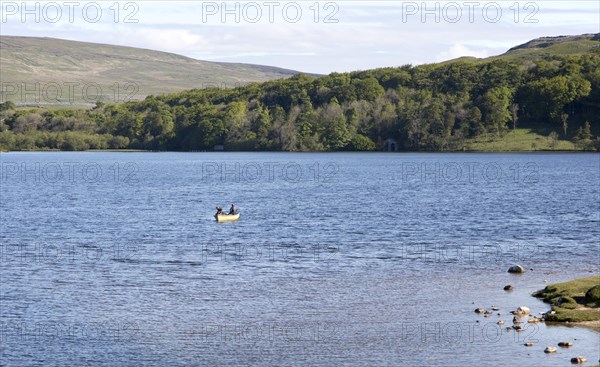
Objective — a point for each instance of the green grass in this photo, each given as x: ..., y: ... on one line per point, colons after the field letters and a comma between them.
x: 574, y: 306
x: 574, y: 288
x: 517, y: 140
x: 579, y: 315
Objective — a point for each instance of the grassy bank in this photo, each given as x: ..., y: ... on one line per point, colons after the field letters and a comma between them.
x: 519, y: 140
x: 574, y: 301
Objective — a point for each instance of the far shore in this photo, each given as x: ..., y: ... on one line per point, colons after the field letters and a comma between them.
x: 281, y: 151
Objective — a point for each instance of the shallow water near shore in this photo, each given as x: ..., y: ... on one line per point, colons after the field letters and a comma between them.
x: 343, y: 259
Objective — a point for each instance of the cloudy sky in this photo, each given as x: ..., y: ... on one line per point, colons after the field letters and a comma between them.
x: 310, y: 36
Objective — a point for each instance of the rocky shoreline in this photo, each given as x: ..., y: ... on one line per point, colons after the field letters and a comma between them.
x: 576, y: 303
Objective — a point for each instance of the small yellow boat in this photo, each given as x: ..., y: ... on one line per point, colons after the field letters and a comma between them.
x: 227, y: 217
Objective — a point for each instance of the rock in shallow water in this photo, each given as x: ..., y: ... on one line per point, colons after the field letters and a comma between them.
x: 516, y: 269
x: 550, y: 349
x: 508, y: 287
x: 578, y: 360
x: 565, y: 344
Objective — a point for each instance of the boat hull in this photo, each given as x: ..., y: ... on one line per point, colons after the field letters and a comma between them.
x: 226, y: 217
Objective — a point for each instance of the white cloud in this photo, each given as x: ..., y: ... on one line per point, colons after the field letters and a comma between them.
x: 459, y: 50
x: 172, y: 40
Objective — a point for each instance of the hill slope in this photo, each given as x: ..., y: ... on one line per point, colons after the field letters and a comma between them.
x: 137, y: 72
x: 552, y: 46
x: 544, y: 47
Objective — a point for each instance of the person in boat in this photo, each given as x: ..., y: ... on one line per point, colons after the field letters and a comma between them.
x: 219, y: 211
x: 233, y: 209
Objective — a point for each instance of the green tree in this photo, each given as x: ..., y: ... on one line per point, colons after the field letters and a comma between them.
x: 514, y: 113
x: 336, y: 135
x: 586, y: 133
x: 553, y: 140
x: 308, y: 128
x: 368, y: 89
x: 495, y: 108
x: 362, y: 143
x: 263, y: 125
x: 118, y: 142
x: 7, y: 141
x: 6, y: 106
x: 583, y: 138
x: 158, y: 124
x: 565, y: 122
x: 547, y: 97
x: 474, y: 122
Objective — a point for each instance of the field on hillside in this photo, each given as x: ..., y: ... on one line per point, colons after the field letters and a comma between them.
x: 47, y: 71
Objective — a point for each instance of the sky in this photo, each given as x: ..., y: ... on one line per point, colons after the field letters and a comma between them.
x: 310, y: 36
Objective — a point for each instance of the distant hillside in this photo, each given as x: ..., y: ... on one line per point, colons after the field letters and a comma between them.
x: 555, y: 46
x: 137, y: 72
x: 544, y: 47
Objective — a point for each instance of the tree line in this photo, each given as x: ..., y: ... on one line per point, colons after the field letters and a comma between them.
x: 433, y: 107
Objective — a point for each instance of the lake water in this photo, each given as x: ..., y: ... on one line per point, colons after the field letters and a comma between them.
x: 346, y: 259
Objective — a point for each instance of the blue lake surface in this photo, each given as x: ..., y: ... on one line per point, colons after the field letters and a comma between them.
x: 350, y: 259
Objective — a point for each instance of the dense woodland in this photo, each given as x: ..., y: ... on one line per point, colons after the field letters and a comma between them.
x: 436, y: 107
